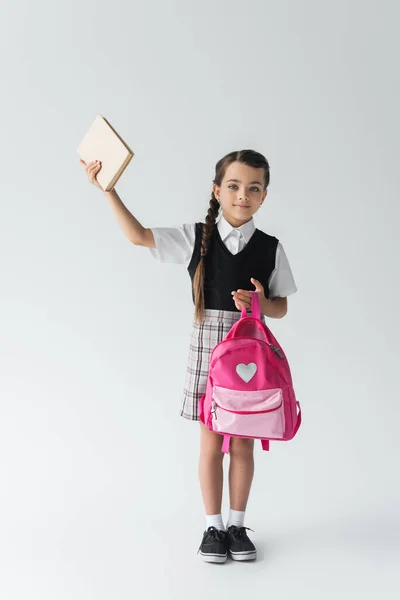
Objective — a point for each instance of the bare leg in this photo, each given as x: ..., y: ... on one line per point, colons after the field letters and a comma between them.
x: 241, y: 471
x: 211, y: 470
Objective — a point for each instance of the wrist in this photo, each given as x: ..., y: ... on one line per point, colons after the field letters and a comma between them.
x: 271, y: 309
x: 264, y: 305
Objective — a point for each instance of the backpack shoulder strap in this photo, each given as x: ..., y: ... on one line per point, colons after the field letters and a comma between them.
x: 298, y: 423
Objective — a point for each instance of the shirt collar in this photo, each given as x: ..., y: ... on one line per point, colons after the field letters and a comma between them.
x: 226, y: 228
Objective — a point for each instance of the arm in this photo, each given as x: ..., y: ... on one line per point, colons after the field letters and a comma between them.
x: 281, y: 284
x: 134, y: 231
x: 275, y: 308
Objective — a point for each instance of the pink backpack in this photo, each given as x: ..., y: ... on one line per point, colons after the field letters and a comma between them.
x: 249, y: 389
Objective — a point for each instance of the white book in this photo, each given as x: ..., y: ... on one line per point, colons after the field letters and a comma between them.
x: 103, y: 143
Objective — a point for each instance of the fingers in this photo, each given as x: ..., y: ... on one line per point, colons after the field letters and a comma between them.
x: 240, y: 305
x: 93, y: 166
x: 243, y: 296
x: 245, y: 293
x: 92, y: 170
x: 89, y: 167
x: 241, y: 302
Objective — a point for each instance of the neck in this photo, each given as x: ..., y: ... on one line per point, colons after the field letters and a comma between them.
x: 235, y: 222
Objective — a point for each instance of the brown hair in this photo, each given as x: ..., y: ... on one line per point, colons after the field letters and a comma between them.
x: 250, y: 158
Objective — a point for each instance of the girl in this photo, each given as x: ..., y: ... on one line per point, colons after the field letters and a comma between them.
x: 223, y: 256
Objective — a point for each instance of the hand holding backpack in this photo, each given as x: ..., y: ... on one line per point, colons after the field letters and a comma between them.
x: 249, y: 391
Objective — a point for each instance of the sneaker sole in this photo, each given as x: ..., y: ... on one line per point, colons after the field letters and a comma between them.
x: 214, y: 558
x: 245, y: 556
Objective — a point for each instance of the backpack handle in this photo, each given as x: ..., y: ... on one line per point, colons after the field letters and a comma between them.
x: 255, y: 306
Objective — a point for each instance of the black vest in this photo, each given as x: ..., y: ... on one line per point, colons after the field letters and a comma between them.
x: 227, y: 272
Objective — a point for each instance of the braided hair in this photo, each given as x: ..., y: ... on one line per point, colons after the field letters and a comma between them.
x: 247, y: 157
x: 199, y: 276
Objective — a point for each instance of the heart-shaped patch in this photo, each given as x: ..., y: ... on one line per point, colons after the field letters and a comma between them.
x: 246, y: 372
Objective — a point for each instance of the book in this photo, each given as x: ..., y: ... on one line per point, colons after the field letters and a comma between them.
x: 103, y: 143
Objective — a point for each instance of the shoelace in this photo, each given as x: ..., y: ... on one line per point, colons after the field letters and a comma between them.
x: 212, y: 534
x: 238, y: 533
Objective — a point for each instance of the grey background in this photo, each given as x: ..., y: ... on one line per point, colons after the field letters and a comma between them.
x: 99, y: 486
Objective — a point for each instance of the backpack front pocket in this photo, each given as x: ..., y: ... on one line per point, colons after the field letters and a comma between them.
x: 253, y: 413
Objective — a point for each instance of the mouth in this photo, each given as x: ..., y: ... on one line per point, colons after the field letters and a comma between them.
x: 241, y: 205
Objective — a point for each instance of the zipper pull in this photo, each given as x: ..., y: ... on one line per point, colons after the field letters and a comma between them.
x: 276, y: 350
x: 214, y: 409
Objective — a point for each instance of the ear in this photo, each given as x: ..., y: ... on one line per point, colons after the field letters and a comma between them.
x: 216, y: 189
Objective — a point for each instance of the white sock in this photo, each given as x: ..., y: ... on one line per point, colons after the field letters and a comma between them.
x: 236, y: 517
x: 215, y: 521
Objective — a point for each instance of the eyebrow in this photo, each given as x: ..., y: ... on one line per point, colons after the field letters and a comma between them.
x: 238, y: 181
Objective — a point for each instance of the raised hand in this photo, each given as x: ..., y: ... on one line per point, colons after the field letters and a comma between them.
x: 91, y: 171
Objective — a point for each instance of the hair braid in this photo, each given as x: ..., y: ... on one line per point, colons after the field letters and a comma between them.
x: 199, y: 276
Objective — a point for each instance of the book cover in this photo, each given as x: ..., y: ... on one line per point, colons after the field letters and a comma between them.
x: 103, y: 143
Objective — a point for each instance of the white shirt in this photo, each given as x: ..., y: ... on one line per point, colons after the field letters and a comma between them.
x: 176, y: 245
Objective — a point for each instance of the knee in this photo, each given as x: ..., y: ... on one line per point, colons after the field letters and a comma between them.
x: 212, y: 455
x: 242, y: 448
x: 211, y: 446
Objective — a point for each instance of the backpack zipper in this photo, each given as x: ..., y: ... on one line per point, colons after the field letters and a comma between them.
x: 242, y: 412
x: 277, y: 350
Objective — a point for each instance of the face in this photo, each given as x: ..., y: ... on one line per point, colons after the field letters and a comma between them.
x: 242, y: 198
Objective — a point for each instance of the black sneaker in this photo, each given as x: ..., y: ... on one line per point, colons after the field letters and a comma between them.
x: 239, y: 545
x: 213, y: 548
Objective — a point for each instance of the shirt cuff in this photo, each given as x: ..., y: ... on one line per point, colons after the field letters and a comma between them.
x: 285, y: 293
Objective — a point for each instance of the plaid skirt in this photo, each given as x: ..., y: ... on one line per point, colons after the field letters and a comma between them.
x: 203, y: 339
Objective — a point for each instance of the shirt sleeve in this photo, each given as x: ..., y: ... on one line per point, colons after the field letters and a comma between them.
x: 174, y: 244
x: 281, y: 282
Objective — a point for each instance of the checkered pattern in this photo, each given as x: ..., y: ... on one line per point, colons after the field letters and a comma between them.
x: 203, y: 339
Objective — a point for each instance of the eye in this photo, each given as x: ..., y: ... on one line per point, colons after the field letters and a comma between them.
x: 257, y: 189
